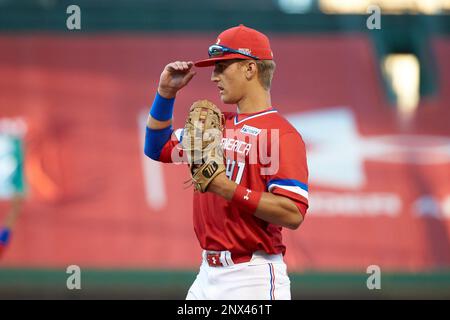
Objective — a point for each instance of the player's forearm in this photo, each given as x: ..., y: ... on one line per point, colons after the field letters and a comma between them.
x: 271, y: 208
x: 152, y: 123
x: 222, y: 186
x: 160, y: 116
x: 278, y: 210
x: 159, y: 126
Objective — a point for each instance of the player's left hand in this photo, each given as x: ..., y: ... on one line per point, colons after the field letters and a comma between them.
x: 201, y: 141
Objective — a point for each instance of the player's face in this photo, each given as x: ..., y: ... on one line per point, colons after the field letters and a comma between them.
x: 230, y: 79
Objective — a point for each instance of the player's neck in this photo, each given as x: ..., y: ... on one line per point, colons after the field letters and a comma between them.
x: 256, y: 102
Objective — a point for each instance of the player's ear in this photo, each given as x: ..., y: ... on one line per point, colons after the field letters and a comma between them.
x: 250, y: 69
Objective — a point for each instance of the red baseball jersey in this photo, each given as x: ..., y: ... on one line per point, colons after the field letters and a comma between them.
x: 265, y: 153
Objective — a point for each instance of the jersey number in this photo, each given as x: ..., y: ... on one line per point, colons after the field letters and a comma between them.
x: 231, y: 166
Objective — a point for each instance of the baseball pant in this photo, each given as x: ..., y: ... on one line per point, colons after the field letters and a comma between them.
x: 264, y: 277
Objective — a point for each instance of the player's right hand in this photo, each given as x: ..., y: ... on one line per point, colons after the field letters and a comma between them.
x: 175, y: 76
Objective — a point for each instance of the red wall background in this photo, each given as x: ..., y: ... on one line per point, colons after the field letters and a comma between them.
x: 82, y: 96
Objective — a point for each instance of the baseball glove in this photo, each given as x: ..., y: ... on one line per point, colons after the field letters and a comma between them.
x: 201, y: 142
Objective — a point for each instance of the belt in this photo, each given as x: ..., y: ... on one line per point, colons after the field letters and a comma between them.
x: 225, y: 258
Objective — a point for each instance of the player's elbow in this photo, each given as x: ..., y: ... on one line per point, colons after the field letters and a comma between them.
x: 295, y: 220
x: 294, y: 223
x: 155, y: 140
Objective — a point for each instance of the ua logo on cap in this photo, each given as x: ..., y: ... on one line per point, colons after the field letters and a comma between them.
x: 218, y: 41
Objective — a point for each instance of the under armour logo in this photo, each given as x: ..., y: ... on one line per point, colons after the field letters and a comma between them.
x: 214, y: 260
x: 246, y: 196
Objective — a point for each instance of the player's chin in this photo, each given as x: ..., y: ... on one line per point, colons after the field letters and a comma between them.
x: 227, y: 99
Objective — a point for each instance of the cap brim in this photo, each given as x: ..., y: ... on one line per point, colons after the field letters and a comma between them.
x: 211, y: 61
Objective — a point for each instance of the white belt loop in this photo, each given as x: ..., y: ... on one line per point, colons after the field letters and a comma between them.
x: 227, y: 261
x: 222, y: 258
x: 204, y: 252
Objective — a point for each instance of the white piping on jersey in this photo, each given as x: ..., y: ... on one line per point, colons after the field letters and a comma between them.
x: 251, y: 117
x: 293, y: 189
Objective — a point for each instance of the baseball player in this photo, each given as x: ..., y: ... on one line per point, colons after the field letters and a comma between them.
x: 240, y: 213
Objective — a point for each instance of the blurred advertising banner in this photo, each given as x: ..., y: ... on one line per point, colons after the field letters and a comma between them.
x: 11, y: 157
x: 379, y: 186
